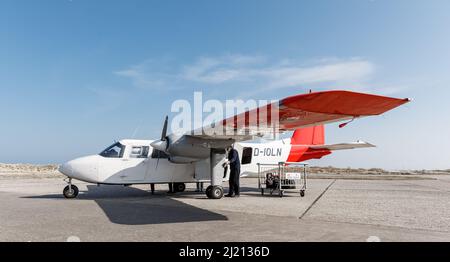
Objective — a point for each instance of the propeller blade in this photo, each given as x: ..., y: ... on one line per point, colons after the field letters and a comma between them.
x: 164, y: 131
x: 162, y: 144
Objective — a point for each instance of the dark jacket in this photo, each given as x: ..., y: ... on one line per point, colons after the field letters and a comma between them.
x: 233, y: 157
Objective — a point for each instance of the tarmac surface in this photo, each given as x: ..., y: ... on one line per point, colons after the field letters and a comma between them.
x: 332, y: 210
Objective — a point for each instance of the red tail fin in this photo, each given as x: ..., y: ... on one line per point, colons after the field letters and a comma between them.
x: 314, y: 135
x: 301, y: 141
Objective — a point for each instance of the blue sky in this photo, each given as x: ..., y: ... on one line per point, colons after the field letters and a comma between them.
x: 76, y: 75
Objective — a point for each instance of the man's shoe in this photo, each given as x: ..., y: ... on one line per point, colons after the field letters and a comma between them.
x: 229, y: 195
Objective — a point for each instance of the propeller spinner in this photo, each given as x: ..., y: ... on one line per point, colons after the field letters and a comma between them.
x: 161, y: 144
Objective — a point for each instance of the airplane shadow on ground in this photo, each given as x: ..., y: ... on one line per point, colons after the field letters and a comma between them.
x: 133, y: 206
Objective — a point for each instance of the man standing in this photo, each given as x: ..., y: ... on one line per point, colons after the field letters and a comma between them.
x: 235, y: 172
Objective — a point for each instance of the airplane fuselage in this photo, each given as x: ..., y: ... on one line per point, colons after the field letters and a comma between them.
x: 132, y: 167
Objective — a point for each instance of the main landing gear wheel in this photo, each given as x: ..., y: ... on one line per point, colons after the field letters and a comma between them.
x: 179, y: 187
x: 214, y: 192
x: 70, y: 191
x: 208, y: 191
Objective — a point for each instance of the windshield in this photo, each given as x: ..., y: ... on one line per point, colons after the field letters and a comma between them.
x: 114, y: 151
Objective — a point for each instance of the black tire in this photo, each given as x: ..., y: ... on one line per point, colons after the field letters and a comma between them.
x: 302, y: 193
x: 216, y: 192
x: 179, y: 187
x: 208, y: 191
x: 70, y: 193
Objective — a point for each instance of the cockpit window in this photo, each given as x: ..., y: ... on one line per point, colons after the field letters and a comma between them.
x: 114, y: 151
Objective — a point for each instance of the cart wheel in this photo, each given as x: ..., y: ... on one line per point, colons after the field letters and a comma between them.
x: 262, y: 191
x: 302, y: 193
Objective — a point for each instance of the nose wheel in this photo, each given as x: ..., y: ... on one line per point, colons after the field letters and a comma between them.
x: 70, y: 191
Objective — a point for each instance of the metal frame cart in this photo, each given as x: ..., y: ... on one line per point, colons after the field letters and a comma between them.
x: 282, y: 176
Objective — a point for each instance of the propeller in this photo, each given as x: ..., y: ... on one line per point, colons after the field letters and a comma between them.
x: 161, y: 145
x: 164, y: 131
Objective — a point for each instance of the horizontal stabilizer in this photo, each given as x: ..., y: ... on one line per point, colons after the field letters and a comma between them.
x: 342, y: 146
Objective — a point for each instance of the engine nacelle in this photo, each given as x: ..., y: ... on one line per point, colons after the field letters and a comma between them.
x: 182, y: 160
x: 187, y: 149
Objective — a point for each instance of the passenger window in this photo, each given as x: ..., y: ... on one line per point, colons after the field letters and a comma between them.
x: 139, y: 152
x: 145, y: 150
x: 136, y: 150
x: 247, y: 155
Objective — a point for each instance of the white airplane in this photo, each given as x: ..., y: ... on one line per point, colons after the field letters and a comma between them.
x: 198, y: 157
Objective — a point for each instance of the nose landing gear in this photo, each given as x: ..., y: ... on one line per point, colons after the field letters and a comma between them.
x: 70, y: 191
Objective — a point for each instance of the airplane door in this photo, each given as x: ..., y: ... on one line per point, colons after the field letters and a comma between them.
x: 135, y: 164
x: 134, y: 170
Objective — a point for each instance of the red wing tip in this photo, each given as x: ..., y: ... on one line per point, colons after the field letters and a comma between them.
x: 341, y: 91
x: 343, y: 102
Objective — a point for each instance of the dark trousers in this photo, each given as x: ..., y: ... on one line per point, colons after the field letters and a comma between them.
x: 234, y: 181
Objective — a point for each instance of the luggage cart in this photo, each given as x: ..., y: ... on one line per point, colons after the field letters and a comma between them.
x: 282, y: 176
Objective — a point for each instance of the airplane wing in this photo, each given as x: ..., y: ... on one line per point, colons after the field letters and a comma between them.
x: 300, y: 111
x: 342, y: 146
